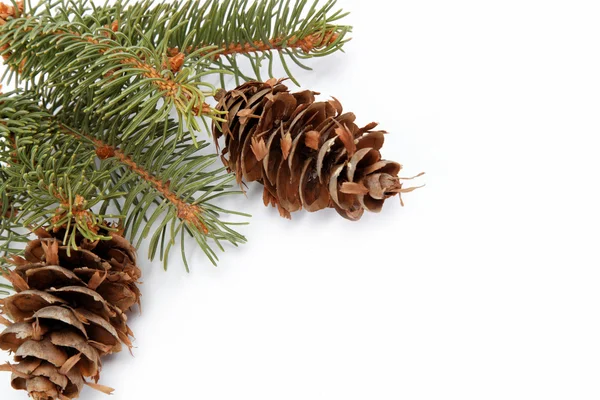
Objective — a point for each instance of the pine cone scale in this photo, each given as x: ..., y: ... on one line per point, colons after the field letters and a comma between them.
x: 287, y: 187
x: 42, y: 277
x: 17, y: 334
x: 313, y: 194
x: 53, y: 314
x: 23, y: 305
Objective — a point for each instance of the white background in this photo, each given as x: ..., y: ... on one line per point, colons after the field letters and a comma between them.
x: 485, y: 286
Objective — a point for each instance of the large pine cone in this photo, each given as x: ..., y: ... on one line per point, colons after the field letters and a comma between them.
x: 307, y: 154
x: 69, y: 310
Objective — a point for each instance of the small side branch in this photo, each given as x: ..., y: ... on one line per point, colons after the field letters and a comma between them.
x: 187, y: 212
x: 307, y: 44
x: 180, y: 94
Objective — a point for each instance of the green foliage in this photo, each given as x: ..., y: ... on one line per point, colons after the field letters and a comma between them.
x: 197, y: 24
x: 60, y: 57
x: 4, y: 289
x: 161, y: 179
x: 57, y: 180
x: 46, y: 172
x: 10, y: 233
x: 63, y: 48
x: 10, y: 237
x: 90, y: 140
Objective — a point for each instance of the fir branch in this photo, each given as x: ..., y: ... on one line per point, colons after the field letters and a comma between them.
x: 60, y: 188
x: 224, y: 29
x: 49, y: 180
x: 253, y: 29
x: 110, y: 77
x: 161, y: 179
x: 189, y: 213
x: 9, y: 230
x: 306, y: 44
x: 80, y: 57
x: 72, y: 167
x: 130, y: 56
x: 10, y: 235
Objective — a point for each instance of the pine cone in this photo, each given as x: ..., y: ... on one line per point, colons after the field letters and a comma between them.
x: 7, y: 10
x: 68, y: 312
x: 307, y: 154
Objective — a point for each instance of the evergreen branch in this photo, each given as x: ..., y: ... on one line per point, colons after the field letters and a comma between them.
x: 9, y: 230
x: 129, y: 55
x: 48, y: 180
x: 190, y: 213
x: 160, y: 180
x: 81, y: 57
x: 306, y: 44
x: 108, y: 78
x: 60, y: 189
x: 253, y: 29
x: 224, y: 29
x: 60, y: 183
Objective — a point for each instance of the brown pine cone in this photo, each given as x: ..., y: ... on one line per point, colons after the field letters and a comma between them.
x: 7, y: 10
x: 307, y: 154
x: 69, y: 310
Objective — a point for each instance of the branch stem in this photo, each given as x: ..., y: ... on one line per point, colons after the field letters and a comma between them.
x: 185, y: 211
x: 306, y: 44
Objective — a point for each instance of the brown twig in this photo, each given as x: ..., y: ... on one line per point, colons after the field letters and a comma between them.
x: 307, y: 44
x: 185, y: 211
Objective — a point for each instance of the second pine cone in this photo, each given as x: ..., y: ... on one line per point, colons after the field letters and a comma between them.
x: 308, y: 154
